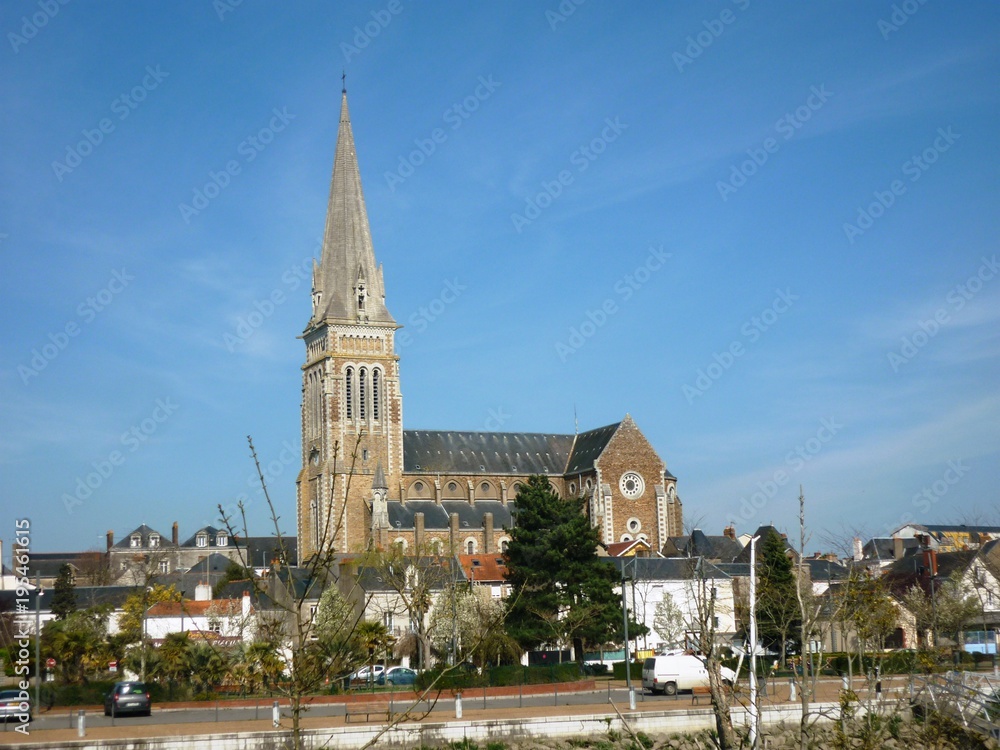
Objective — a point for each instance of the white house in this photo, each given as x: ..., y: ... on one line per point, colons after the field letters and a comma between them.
x: 218, y: 620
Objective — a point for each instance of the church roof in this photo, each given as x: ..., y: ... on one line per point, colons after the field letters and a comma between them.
x: 587, y: 447
x: 348, y: 259
x: 450, y: 452
x: 436, y: 517
x: 447, y: 452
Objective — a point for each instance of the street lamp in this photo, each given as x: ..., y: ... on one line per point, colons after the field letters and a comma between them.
x: 38, y: 639
x: 754, y: 710
x: 628, y: 664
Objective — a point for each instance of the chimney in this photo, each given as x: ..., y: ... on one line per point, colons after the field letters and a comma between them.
x: 858, y: 549
x: 111, y: 540
x: 453, y: 533
x: 930, y: 562
x: 418, y: 532
x: 488, y: 534
x: 175, y: 534
x: 897, y: 548
x: 203, y: 593
x: 730, y: 532
x: 245, y: 609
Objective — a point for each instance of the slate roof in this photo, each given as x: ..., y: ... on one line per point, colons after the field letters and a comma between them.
x: 92, y: 596
x: 588, y: 447
x: 665, y: 568
x: 904, y: 573
x: 212, y: 532
x: 437, y: 569
x: 144, y: 532
x: 47, y: 564
x: 699, y: 544
x: 436, y: 517
x: 882, y: 547
x: 447, y: 452
x: 825, y: 570
x: 762, y: 531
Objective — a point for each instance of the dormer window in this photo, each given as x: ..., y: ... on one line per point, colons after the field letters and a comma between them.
x: 221, y: 540
x: 202, y: 540
x: 135, y: 541
x: 154, y: 540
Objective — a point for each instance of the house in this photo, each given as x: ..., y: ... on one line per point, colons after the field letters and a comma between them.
x: 221, y: 621
x: 724, y: 548
x: 691, y: 584
x: 487, y: 571
x: 948, y: 538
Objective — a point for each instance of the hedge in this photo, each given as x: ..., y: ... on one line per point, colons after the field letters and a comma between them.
x: 513, y: 674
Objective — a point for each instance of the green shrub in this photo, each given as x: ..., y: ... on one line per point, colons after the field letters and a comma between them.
x: 618, y: 671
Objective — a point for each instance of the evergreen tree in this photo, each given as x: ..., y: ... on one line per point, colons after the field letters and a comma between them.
x: 562, y: 591
x: 64, y: 593
x: 778, y: 614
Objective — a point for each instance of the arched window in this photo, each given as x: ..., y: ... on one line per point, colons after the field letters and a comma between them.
x: 362, y: 394
x: 470, y: 547
x: 376, y: 385
x: 349, y: 391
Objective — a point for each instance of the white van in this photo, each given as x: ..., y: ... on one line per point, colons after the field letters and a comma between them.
x: 668, y: 674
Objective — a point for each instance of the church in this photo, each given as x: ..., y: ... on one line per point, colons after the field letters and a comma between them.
x: 366, y: 481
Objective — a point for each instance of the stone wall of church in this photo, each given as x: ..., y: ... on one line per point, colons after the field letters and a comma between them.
x: 629, y: 451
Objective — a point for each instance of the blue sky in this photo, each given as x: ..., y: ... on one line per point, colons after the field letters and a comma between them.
x: 767, y: 231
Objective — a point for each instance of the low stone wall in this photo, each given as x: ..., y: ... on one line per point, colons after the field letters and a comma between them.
x: 409, y: 735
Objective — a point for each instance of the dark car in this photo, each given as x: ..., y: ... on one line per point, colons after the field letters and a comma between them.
x: 127, y: 698
x: 15, y: 704
x: 397, y: 676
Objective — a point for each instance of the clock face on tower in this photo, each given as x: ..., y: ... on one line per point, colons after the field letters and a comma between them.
x: 631, y: 485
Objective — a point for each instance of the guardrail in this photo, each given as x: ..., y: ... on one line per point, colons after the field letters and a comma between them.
x: 971, y: 698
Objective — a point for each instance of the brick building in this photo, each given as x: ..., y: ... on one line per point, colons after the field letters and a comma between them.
x: 365, y: 480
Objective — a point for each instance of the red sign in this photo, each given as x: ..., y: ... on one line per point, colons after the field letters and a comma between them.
x: 50, y: 663
x: 112, y: 666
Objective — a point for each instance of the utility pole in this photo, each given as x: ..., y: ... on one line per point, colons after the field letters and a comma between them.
x: 754, y: 710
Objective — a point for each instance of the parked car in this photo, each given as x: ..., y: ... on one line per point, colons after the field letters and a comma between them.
x: 668, y: 674
x: 397, y: 676
x: 15, y: 704
x: 367, y: 674
x: 128, y: 698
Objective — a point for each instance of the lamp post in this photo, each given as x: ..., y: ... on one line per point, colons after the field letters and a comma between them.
x: 38, y: 639
x: 628, y: 664
x: 753, y: 710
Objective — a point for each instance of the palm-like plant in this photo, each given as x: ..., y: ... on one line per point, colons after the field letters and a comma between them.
x: 373, y: 640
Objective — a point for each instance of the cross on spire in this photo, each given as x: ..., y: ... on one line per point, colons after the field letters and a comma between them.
x: 343, y: 82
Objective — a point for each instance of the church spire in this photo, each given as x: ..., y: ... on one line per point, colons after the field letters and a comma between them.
x: 348, y: 286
